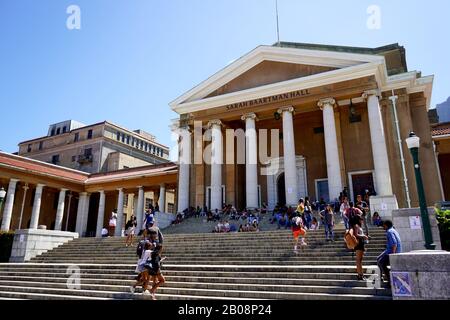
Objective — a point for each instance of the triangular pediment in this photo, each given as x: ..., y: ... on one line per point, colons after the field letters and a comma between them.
x: 269, y: 72
x: 268, y: 65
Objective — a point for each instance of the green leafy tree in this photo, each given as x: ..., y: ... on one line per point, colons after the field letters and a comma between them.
x: 443, y: 218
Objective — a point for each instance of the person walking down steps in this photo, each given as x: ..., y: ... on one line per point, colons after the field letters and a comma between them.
x: 298, y: 231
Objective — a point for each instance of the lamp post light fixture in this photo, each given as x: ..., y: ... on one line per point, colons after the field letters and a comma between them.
x: 413, y: 143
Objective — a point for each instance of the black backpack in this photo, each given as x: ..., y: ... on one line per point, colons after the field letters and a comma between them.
x: 140, y: 248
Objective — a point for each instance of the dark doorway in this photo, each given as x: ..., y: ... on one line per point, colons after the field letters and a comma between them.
x: 281, y: 189
x: 361, y: 183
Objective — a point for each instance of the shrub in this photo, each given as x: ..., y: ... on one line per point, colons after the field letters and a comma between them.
x: 6, y: 242
x: 443, y: 218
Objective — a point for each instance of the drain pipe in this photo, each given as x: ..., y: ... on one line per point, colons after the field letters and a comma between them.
x: 394, y: 98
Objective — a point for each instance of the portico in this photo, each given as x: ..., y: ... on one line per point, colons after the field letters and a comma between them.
x: 320, y: 112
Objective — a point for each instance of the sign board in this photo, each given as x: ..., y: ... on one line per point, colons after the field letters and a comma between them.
x: 415, y: 223
x: 384, y: 206
x: 21, y: 238
x: 401, y: 284
x: 289, y: 190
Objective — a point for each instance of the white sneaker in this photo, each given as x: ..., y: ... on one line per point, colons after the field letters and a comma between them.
x: 132, y: 289
x: 146, y: 293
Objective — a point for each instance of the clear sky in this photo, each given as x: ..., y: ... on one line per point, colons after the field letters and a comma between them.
x: 132, y: 57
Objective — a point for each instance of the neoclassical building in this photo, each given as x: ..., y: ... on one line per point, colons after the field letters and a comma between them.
x: 342, y: 115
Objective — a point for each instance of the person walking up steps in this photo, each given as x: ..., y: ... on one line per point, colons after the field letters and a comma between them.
x: 298, y: 231
x: 327, y: 216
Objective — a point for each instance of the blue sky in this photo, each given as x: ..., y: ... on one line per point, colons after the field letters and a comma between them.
x: 132, y: 57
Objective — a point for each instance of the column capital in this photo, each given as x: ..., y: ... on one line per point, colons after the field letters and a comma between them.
x: 102, y: 192
x: 163, y: 185
x: 13, y: 180
x: 120, y: 189
x: 326, y: 102
x: 83, y: 194
x: 286, y: 109
x: 63, y: 190
x: 249, y: 116
x: 40, y: 185
x: 214, y: 122
x: 368, y: 93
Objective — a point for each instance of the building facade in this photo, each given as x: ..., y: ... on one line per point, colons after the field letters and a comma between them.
x: 315, y: 119
x: 101, y: 147
x: 42, y: 195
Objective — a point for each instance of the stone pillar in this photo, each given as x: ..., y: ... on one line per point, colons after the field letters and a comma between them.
x: 379, y: 149
x: 101, y: 214
x: 60, y: 209
x: 335, y: 186
x: 290, y: 169
x: 36, y: 207
x: 216, y: 164
x: 140, y: 209
x: 86, y: 213
x: 162, y: 198
x: 251, y: 158
x: 8, y: 209
x: 184, y: 169
x: 80, y: 213
x: 119, y: 224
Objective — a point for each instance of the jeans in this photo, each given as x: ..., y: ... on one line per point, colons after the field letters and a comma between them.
x: 308, y: 220
x: 346, y: 220
x: 383, y: 263
x: 329, y: 231
x: 366, y: 227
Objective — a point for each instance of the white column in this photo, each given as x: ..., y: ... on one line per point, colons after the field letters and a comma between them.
x: 60, y: 209
x: 25, y: 189
x: 184, y: 168
x: 119, y: 224
x: 335, y: 185
x: 100, y: 215
x: 251, y: 158
x: 8, y: 209
x: 86, y: 213
x: 36, y: 207
x: 80, y: 213
x: 290, y: 170
x: 162, y: 198
x: 216, y: 164
x: 140, y: 209
x: 379, y: 149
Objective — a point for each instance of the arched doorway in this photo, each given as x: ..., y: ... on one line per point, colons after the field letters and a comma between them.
x: 281, y: 190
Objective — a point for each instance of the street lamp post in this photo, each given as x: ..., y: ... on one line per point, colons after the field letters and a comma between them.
x: 413, y: 143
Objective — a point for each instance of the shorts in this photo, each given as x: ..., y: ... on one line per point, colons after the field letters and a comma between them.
x: 299, y: 233
x: 130, y: 231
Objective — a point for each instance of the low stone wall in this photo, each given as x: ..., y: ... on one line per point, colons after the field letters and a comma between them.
x: 30, y: 243
x: 412, y: 238
x: 163, y: 220
x: 420, y: 275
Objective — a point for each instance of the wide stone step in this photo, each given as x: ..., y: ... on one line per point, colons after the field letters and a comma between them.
x: 232, y: 290
x: 125, y: 280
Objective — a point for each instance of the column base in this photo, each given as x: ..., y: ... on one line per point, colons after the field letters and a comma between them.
x: 384, y: 205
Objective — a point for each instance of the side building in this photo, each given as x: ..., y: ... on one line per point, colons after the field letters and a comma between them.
x: 95, y: 148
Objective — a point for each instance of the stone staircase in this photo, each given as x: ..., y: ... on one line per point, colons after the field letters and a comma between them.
x: 258, y: 265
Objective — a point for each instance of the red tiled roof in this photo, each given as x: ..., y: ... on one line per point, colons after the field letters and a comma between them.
x: 441, y: 129
x: 42, y: 168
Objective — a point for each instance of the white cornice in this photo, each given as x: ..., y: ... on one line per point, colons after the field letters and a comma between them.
x: 316, y: 80
x: 287, y: 55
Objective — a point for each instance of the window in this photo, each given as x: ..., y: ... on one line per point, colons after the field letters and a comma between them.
x: 170, y: 208
x: 41, y: 145
x: 128, y: 139
x: 142, y: 144
x: 29, y: 148
x: 148, y: 203
x: 89, y: 136
x: 88, y: 152
x: 74, y: 158
x: 133, y: 142
x: 77, y: 137
x: 58, y: 131
x: 123, y: 138
x: 64, y: 129
x: 118, y: 136
x: 55, y: 159
x: 146, y: 147
x: 53, y: 132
